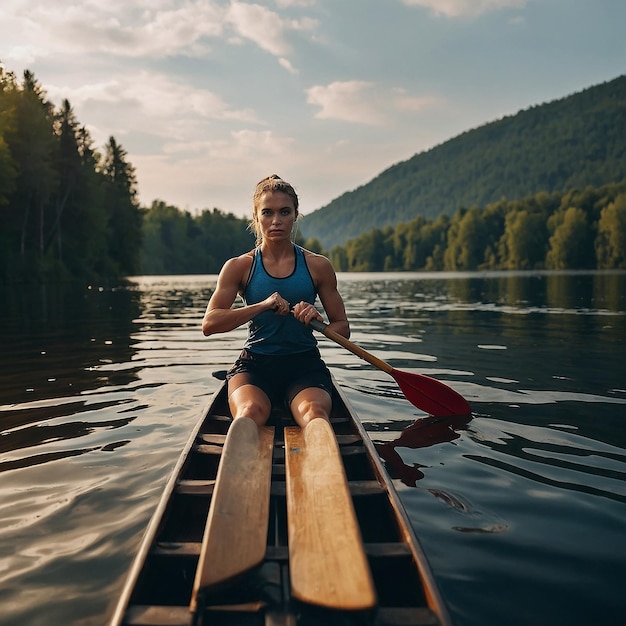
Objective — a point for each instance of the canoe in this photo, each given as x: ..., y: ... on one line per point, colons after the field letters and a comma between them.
x: 158, y: 589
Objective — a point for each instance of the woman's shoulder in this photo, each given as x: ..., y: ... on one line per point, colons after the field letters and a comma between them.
x: 243, y: 259
x: 239, y: 265
x: 318, y: 264
x: 314, y: 257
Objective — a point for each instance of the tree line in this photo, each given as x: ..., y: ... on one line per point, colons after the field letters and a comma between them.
x: 580, y: 229
x: 67, y: 211
x: 177, y: 242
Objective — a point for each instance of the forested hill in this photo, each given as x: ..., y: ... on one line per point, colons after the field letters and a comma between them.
x: 561, y: 145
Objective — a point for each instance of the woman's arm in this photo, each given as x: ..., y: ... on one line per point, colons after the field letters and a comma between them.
x: 220, y: 317
x: 325, y: 279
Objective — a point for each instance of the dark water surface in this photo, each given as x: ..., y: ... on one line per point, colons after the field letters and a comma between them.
x: 521, y: 509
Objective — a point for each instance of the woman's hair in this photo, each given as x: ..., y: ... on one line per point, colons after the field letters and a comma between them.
x: 270, y: 183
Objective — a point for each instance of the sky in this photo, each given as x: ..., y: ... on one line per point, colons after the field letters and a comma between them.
x: 209, y: 96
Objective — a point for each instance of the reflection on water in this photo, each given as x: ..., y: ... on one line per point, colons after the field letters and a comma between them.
x: 422, y: 433
x: 100, y: 388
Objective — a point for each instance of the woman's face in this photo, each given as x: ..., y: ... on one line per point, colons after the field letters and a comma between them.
x: 275, y: 215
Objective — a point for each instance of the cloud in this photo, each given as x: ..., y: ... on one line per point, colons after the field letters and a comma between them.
x: 465, y: 8
x: 209, y: 173
x: 266, y: 28
x: 285, y: 4
x: 287, y: 65
x: 363, y: 102
x: 222, y: 173
x: 246, y: 144
x: 346, y: 101
x: 159, y: 97
x: 151, y: 104
x: 118, y: 28
x: 24, y: 55
x: 147, y: 29
x: 136, y: 29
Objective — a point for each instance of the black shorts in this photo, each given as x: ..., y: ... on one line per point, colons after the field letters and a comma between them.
x: 283, y: 377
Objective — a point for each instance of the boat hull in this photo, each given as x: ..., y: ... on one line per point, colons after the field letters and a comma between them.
x: 158, y: 588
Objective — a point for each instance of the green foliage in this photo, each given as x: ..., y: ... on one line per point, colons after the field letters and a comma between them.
x: 175, y: 242
x: 567, y: 144
x: 524, y: 241
x: 8, y: 171
x: 123, y: 213
x: 64, y: 215
x: 576, y: 230
x: 611, y: 240
x: 570, y: 239
x: 314, y: 245
x: 465, y: 241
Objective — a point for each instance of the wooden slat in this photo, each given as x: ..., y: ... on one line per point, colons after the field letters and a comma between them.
x: 213, y: 438
x: 387, y: 549
x: 356, y: 488
x: 236, y: 529
x: 347, y: 451
x: 342, y: 440
x: 139, y: 615
x: 275, y: 553
x: 328, y: 566
x: 176, y: 548
x: 365, y: 488
x: 195, y: 487
x: 221, y: 417
x: 277, y: 617
x: 346, y: 440
x: 205, y: 448
x: 406, y: 616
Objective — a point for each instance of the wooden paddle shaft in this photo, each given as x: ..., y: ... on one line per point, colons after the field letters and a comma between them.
x: 327, y: 561
x: 348, y: 345
x: 236, y: 528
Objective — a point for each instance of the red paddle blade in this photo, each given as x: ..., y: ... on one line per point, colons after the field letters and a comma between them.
x: 431, y: 395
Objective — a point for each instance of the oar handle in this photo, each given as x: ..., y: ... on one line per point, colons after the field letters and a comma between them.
x: 348, y: 345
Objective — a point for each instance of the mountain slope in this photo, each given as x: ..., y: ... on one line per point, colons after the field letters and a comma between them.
x: 564, y: 144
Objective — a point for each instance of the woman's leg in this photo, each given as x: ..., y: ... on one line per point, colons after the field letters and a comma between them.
x: 309, y: 404
x: 248, y: 400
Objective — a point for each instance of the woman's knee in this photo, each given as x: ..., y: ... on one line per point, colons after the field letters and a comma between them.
x: 306, y: 409
x: 249, y: 401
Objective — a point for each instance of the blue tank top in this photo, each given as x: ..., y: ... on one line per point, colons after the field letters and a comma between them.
x: 269, y: 333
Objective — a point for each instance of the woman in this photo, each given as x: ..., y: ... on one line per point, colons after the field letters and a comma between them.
x: 279, y: 282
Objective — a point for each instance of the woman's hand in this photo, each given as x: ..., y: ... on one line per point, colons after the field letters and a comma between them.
x: 278, y: 304
x: 305, y: 312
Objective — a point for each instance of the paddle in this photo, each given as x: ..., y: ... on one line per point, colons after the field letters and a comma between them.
x: 423, y: 392
x: 327, y: 562
x: 236, y: 528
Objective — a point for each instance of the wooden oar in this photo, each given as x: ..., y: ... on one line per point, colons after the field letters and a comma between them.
x: 424, y: 392
x: 327, y: 562
x: 235, y: 535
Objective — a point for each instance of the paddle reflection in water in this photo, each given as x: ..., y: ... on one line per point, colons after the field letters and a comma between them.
x: 422, y: 433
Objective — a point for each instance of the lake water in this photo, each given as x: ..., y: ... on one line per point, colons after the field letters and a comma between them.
x: 521, y: 509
